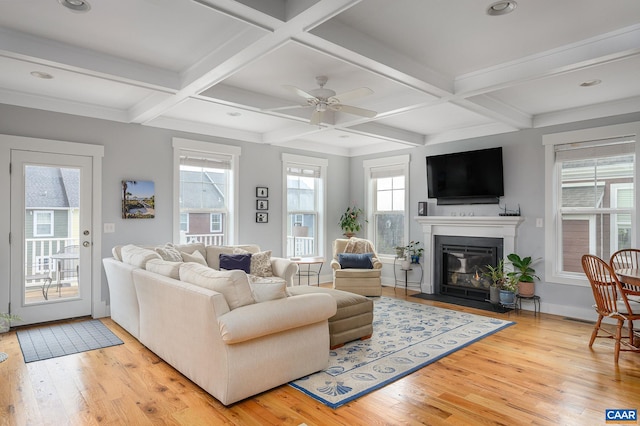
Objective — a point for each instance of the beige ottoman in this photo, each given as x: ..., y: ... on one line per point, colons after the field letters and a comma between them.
x: 354, y: 317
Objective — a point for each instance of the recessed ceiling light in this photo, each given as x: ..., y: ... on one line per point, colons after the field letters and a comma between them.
x: 78, y: 6
x: 234, y: 114
x: 43, y: 75
x: 343, y: 136
x: 501, y: 8
x: 590, y: 83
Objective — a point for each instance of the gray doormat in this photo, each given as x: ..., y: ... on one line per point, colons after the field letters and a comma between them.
x: 65, y: 339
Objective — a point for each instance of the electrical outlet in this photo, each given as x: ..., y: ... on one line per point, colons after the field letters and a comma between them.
x: 539, y: 222
x: 109, y: 228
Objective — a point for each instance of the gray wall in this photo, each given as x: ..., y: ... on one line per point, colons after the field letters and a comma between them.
x: 144, y: 153
x: 523, y: 154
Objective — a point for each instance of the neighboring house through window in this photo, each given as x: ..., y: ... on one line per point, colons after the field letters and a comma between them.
x: 387, y: 183
x: 304, y: 204
x: 205, y: 187
x: 590, y: 198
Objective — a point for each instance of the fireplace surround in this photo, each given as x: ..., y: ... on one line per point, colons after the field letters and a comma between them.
x: 501, y: 227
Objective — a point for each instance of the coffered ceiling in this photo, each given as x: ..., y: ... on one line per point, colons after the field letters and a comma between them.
x: 439, y: 70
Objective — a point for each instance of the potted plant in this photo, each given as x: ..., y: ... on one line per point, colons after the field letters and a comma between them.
x: 400, y: 252
x: 523, y: 273
x: 497, y: 276
x: 415, y: 251
x: 350, y: 221
x: 508, y: 290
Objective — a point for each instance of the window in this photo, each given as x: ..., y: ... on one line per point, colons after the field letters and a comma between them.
x: 387, y: 181
x: 304, y: 186
x: 216, y: 223
x: 42, y: 223
x: 591, y: 193
x: 205, y: 187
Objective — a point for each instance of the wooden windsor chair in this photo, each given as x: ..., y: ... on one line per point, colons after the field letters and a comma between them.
x: 611, y: 302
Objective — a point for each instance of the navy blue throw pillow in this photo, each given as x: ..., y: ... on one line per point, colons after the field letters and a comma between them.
x: 235, y: 261
x: 355, y: 260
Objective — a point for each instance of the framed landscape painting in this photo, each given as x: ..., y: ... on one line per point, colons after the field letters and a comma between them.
x: 138, y: 199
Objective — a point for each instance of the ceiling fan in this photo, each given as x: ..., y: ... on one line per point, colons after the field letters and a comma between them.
x: 326, y: 99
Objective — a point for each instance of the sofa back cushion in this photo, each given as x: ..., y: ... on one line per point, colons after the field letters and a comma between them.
x: 196, y: 257
x: 214, y: 252
x: 233, y: 285
x: 189, y: 248
x: 137, y: 256
x: 169, y: 252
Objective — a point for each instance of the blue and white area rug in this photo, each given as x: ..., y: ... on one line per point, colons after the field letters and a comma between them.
x: 406, y: 337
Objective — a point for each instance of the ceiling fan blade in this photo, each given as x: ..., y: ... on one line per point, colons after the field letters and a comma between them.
x: 354, y: 110
x: 352, y: 94
x: 287, y: 107
x: 299, y: 92
x: 316, y: 117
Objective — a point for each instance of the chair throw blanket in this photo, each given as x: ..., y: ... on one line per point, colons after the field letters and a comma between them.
x: 358, y: 245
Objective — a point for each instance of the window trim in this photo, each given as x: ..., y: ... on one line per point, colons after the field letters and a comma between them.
x: 552, y: 173
x: 402, y: 161
x: 51, y: 232
x: 180, y: 146
x: 323, y: 164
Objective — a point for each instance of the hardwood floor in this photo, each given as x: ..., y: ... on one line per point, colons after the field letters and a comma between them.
x: 539, y: 371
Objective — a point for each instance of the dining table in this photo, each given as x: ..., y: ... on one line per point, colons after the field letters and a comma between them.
x: 629, y: 275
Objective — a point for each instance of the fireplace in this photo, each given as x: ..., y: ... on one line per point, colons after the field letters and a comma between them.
x: 460, y: 262
x: 499, y: 227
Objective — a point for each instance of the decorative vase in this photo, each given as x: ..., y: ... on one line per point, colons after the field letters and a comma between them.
x: 507, y: 297
x: 526, y: 289
x: 405, y: 264
x: 494, y: 294
x: 349, y: 234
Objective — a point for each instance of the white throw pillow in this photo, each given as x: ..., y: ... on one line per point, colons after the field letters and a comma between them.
x: 233, y: 285
x: 265, y: 291
x: 164, y: 267
x: 137, y: 256
x: 196, y: 257
x: 169, y: 253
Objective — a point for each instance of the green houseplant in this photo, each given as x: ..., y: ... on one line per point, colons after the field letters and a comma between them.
x: 497, y: 277
x: 350, y: 221
x: 4, y: 327
x: 523, y: 274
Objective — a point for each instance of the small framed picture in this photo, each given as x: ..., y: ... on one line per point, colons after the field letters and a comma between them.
x: 262, y: 217
x: 422, y: 208
x: 262, y: 204
x: 262, y: 191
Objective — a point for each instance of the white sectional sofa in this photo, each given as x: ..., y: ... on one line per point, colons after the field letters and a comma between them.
x: 210, y: 329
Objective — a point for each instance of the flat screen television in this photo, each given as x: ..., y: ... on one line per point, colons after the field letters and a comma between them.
x: 471, y: 177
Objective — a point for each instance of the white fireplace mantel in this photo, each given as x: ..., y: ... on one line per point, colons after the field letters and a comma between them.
x: 504, y: 227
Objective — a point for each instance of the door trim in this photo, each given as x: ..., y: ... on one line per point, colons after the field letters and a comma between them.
x: 99, y: 307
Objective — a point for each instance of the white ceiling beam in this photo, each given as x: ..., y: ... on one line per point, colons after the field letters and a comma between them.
x: 63, y: 106
x: 205, y: 129
x: 387, y: 133
x: 586, y: 53
x: 468, y: 133
x: 490, y: 107
x: 290, y: 133
x: 43, y: 51
x: 618, y: 107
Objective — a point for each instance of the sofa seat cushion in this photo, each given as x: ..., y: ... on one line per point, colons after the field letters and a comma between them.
x: 262, y: 319
x: 137, y: 256
x: 357, y: 273
x: 234, y: 285
x: 164, y: 267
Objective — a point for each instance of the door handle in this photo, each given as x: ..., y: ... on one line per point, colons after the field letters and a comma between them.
x: 86, y: 244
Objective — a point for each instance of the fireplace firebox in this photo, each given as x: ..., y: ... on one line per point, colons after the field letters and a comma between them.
x: 460, y: 262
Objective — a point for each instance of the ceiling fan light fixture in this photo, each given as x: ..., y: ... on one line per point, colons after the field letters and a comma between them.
x: 77, y: 6
x: 501, y: 8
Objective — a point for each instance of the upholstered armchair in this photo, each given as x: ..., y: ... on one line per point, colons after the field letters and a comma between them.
x: 356, y: 267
